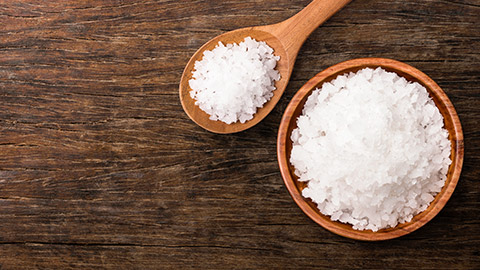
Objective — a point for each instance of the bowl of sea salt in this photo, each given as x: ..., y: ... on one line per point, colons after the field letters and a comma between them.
x: 370, y: 149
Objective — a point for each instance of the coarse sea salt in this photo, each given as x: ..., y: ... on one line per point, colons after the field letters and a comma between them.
x: 232, y: 81
x: 373, y: 149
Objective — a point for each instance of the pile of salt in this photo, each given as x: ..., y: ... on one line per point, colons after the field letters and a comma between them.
x: 372, y: 147
x: 231, y: 82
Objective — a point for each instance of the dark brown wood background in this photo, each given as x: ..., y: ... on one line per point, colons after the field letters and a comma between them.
x: 101, y: 168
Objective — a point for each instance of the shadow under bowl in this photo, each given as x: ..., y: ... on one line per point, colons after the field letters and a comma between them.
x: 289, y: 123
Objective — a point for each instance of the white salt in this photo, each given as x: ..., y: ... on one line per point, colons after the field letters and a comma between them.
x: 372, y: 147
x: 231, y: 82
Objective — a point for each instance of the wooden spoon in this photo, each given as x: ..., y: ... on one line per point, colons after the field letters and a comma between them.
x: 285, y: 38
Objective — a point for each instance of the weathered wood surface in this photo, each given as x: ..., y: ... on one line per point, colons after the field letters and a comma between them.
x: 101, y: 168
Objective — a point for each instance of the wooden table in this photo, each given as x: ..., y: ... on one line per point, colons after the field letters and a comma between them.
x: 101, y: 168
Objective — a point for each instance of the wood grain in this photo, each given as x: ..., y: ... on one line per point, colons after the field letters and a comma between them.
x: 101, y: 168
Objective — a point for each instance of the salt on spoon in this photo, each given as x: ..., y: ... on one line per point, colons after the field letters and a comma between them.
x: 285, y: 38
x: 231, y: 82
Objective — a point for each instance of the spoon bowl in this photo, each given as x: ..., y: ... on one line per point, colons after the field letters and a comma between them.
x: 202, y: 118
x: 285, y: 38
x: 289, y: 123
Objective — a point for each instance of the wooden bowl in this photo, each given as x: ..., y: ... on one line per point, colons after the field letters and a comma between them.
x: 294, y: 109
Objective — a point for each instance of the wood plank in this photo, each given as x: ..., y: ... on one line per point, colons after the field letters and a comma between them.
x: 101, y: 168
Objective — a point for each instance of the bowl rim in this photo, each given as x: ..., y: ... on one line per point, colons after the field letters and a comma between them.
x: 455, y: 135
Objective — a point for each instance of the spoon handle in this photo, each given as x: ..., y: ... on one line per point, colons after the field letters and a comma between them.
x: 294, y: 31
